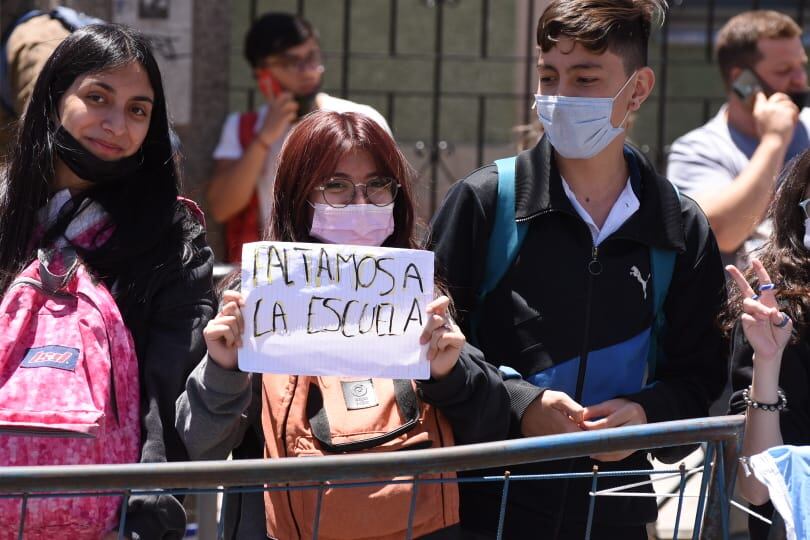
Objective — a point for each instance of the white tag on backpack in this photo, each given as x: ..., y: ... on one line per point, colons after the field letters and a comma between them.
x: 359, y: 394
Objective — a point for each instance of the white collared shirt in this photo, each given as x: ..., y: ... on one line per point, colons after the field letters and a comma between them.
x: 625, y: 206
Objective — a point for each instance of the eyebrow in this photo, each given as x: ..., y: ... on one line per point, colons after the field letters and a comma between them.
x: 112, y: 91
x: 372, y: 174
x: 575, y: 67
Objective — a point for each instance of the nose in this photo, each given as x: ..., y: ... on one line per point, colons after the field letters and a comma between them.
x: 114, y: 122
x: 359, y: 195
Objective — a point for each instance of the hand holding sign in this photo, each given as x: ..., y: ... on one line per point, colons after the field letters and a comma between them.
x: 223, y: 334
x: 324, y: 309
x: 444, y: 337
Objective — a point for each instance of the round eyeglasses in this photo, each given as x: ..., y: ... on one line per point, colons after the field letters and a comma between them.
x: 804, y: 208
x: 340, y: 192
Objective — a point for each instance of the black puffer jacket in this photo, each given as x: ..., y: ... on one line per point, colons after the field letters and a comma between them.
x: 167, y: 327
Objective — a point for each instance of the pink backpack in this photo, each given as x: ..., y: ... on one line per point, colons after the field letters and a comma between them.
x: 69, y: 392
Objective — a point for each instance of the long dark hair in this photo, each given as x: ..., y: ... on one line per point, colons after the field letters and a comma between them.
x: 311, y: 154
x: 784, y: 255
x: 148, y: 236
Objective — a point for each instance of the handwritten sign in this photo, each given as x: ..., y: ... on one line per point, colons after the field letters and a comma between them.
x: 326, y: 309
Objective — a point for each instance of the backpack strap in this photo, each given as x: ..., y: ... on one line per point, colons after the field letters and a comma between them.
x: 504, y: 241
x: 662, y: 266
x: 507, y: 235
x: 247, y: 128
x: 319, y: 421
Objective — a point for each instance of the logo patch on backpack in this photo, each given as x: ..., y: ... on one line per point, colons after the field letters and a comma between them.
x: 359, y: 394
x: 54, y: 356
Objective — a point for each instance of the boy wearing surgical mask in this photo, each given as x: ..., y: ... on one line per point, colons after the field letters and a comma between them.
x: 572, y: 317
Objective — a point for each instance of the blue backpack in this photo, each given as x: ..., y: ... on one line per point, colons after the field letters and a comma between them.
x: 505, y: 243
x: 71, y: 19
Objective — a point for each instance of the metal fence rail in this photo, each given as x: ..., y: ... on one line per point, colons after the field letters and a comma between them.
x: 721, y: 435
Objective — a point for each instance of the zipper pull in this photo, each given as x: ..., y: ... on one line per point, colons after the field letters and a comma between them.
x: 595, y: 265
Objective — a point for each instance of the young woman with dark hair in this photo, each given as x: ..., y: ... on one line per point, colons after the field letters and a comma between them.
x: 95, y: 145
x: 768, y: 317
x: 342, y: 180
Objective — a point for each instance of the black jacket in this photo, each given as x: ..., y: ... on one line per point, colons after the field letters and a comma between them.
x: 549, y: 311
x: 794, y: 380
x: 166, y: 328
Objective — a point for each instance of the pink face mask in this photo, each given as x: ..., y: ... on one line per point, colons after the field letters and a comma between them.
x: 358, y: 224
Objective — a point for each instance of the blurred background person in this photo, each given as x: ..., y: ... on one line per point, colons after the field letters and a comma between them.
x: 285, y: 56
x: 25, y: 46
x: 730, y: 164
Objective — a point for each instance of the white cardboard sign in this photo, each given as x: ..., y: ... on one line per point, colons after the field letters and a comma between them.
x: 328, y: 309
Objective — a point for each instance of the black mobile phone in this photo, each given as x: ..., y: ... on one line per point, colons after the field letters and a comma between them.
x: 746, y: 85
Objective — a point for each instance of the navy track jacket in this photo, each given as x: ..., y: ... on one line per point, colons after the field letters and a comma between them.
x: 576, y: 318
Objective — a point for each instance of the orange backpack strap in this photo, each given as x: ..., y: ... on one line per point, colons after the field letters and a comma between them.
x: 244, y: 227
x: 319, y: 422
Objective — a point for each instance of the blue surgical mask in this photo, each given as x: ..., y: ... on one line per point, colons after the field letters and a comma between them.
x: 579, y: 127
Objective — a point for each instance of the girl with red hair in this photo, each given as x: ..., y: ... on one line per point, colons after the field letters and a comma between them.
x: 342, y: 180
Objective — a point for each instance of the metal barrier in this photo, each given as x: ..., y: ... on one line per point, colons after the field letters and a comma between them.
x: 721, y: 436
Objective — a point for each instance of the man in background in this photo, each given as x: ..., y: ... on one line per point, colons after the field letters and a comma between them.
x: 730, y: 165
x: 285, y: 56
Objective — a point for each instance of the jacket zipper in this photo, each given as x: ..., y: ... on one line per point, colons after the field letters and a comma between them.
x: 594, y: 268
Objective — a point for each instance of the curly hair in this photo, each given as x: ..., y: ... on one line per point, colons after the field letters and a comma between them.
x: 784, y: 256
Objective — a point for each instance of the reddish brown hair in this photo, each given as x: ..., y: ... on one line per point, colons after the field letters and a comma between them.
x: 737, y: 40
x: 311, y: 154
x: 621, y: 26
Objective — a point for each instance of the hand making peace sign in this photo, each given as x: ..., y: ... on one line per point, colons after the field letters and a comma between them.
x: 766, y: 328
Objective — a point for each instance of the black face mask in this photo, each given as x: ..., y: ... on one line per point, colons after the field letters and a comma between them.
x: 306, y: 104
x: 89, y: 167
x: 799, y: 98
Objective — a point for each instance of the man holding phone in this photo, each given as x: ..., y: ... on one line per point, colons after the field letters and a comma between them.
x: 731, y: 164
x: 285, y: 57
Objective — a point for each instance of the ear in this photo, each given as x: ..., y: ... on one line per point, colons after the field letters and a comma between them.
x: 645, y: 82
x: 733, y: 73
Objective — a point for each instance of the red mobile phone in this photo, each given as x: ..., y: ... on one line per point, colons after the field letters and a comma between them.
x: 268, y: 85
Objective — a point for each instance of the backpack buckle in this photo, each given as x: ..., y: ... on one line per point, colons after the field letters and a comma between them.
x: 52, y: 281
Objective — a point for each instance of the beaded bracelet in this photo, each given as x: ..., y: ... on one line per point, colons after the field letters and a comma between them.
x: 778, y: 406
